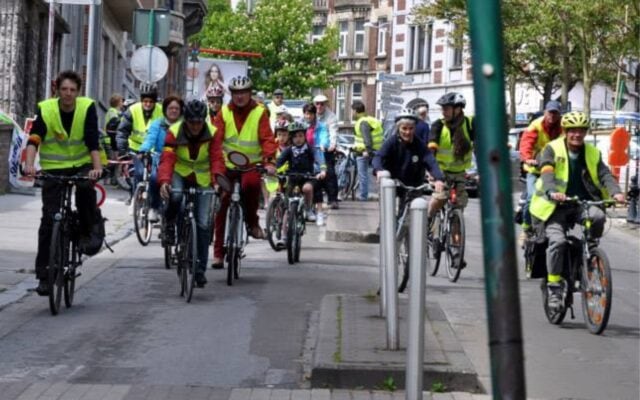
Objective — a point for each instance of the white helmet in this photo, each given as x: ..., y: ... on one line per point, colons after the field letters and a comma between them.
x: 406, y: 113
x: 320, y: 99
x: 240, y: 83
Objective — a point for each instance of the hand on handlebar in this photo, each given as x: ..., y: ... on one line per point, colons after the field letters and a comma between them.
x: 438, y: 186
x: 619, y: 197
x: 165, y: 191
x: 321, y: 175
x: 271, y: 170
x: 557, y: 196
x: 95, y: 173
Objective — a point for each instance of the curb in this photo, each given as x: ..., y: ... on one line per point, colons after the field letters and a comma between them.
x: 351, y: 236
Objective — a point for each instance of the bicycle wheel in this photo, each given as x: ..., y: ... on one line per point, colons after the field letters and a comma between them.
x: 70, y: 276
x: 275, y: 213
x: 141, y: 221
x: 403, y: 259
x: 232, y: 246
x: 292, y: 233
x: 58, y: 259
x: 344, y: 177
x: 553, y: 316
x: 455, y: 245
x: 597, y: 291
x: 434, y: 245
x: 192, y: 247
x: 300, y: 230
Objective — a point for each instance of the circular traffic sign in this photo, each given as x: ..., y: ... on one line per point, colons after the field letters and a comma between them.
x: 149, y: 64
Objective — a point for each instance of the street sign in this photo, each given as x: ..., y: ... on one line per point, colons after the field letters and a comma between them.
x: 149, y: 64
x: 392, y: 91
x: 81, y: 2
x: 391, y: 107
x: 395, y: 78
x: 392, y: 99
x: 143, y: 24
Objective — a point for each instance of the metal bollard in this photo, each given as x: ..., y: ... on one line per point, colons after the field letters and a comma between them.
x: 632, y: 200
x: 383, y: 298
x: 391, y: 274
x: 417, y: 272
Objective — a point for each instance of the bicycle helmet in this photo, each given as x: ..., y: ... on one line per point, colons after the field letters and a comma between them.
x: 406, y: 113
x: 215, y: 91
x: 296, y: 127
x: 149, y: 91
x: 282, y: 124
x: 240, y: 83
x: 195, y: 110
x: 575, y: 119
x: 452, y: 99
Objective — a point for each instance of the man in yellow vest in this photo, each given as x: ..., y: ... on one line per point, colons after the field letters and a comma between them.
x: 134, y: 125
x: 569, y: 167
x: 66, y: 135
x: 368, y: 140
x: 244, y: 127
x: 192, y: 157
x: 541, y: 131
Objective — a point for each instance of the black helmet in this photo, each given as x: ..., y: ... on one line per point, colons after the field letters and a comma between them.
x: 240, y: 83
x: 195, y: 110
x: 296, y: 126
x: 406, y: 113
x: 452, y: 99
x: 149, y: 91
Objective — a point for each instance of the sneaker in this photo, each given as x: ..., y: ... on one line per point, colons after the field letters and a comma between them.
x: 280, y: 244
x: 320, y: 219
x: 217, y: 263
x: 555, y: 292
x: 256, y: 232
x: 334, y: 205
x: 43, y: 288
x: 153, y: 215
x: 200, y: 280
x: 311, y: 215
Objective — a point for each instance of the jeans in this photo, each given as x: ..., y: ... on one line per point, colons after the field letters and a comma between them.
x: 531, y: 188
x: 138, y: 169
x: 330, y: 183
x: 154, y: 190
x: 363, y: 177
x: 203, y: 214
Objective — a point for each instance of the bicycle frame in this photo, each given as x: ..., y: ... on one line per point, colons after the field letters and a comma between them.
x: 241, y: 234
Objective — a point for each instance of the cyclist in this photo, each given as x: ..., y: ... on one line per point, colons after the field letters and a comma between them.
x: 302, y: 157
x: 540, y: 132
x: 112, y: 119
x: 318, y: 138
x: 368, y: 139
x: 569, y: 167
x: 192, y: 156
x: 66, y: 135
x: 329, y: 118
x: 243, y: 126
x: 215, y: 94
x: 172, y: 108
x: 282, y: 136
x: 134, y: 125
x: 406, y: 157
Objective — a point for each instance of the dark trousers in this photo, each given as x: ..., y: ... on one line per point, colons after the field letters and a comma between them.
x: 330, y: 183
x: 51, y: 195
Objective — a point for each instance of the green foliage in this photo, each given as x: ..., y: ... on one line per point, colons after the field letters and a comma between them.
x: 438, y: 387
x: 280, y: 30
x: 389, y: 384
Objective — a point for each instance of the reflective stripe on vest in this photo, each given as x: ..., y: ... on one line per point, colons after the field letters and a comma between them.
x: 376, y: 133
x: 247, y: 141
x: 541, y: 141
x: 444, y: 156
x: 185, y: 165
x: 61, y: 149
x: 541, y: 207
x: 138, y: 126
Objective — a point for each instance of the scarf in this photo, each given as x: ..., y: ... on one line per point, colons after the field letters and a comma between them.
x: 461, y: 145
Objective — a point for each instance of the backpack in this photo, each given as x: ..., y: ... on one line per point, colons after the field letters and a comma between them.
x: 92, y: 244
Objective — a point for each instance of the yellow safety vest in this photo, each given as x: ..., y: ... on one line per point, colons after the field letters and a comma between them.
x: 139, y: 126
x: 376, y: 133
x: 543, y: 139
x: 247, y: 141
x: 61, y: 149
x: 541, y: 207
x: 445, y: 157
x: 186, y: 166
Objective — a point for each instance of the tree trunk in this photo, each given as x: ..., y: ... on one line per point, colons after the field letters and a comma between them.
x: 511, y: 84
x: 566, y: 72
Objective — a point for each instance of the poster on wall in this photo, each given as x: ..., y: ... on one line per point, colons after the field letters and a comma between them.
x: 17, y: 153
x: 208, y: 73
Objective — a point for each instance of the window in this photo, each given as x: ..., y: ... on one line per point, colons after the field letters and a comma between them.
x: 358, y: 38
x: 356, y: 92
x: 382, y: 36
x: 341, y: 111
x: 456, y: 61
x: 344, y: 33
x: 420, y: 39
x: 317, y: 33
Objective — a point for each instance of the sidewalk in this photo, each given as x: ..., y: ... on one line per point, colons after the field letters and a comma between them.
x: 20, y: 216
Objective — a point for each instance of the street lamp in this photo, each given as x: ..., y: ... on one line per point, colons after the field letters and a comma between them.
x: 382, y: 26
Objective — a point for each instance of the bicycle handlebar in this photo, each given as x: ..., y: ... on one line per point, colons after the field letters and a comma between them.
x: 193, y: 190
x: 303, y: 175
x: 576, y: 201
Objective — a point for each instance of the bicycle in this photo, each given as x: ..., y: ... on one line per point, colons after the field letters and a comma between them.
x: 449, y: 237
x: 170, y: 248
x: 347, y: 172
x: 123, y: 170
x: 402, y: 231
x: 586, y: 271
x: 187, y: 247
x: 275, y: 219
x: 295, y: 217
x: 64, y: 252
x: 142, y: 203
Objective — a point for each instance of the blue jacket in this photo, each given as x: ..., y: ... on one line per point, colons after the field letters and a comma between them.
x: 320, y: 135
x: 422, y: 131
x: 154, y: 140
x: 406, y: 162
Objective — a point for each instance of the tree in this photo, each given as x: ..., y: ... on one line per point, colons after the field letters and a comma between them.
x: 280, y: 30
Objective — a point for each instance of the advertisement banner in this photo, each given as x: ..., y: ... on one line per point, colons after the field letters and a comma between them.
x: 17, y: 154
x: 211, y: 72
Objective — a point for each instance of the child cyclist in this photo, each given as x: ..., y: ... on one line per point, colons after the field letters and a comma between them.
x: 282, y: 135
x: 304, y: 159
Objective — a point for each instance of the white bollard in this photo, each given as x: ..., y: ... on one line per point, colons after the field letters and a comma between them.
x: 391, y: 275
x: 417, y: 274
x: 383, y: 298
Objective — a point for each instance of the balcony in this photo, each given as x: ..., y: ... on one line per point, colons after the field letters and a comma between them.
x: 320, y: 5
x: 352, y: 4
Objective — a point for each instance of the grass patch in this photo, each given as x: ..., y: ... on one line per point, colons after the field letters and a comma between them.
x: 438, y: 387
x: 337, y: 355
x: 371, y: 296
x: 388, y: 385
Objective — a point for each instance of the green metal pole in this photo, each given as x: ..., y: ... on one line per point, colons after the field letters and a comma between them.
x: 152, y: 20
x: 500, y: 264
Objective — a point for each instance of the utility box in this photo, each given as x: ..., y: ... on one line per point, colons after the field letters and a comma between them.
x: 142, y: 27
